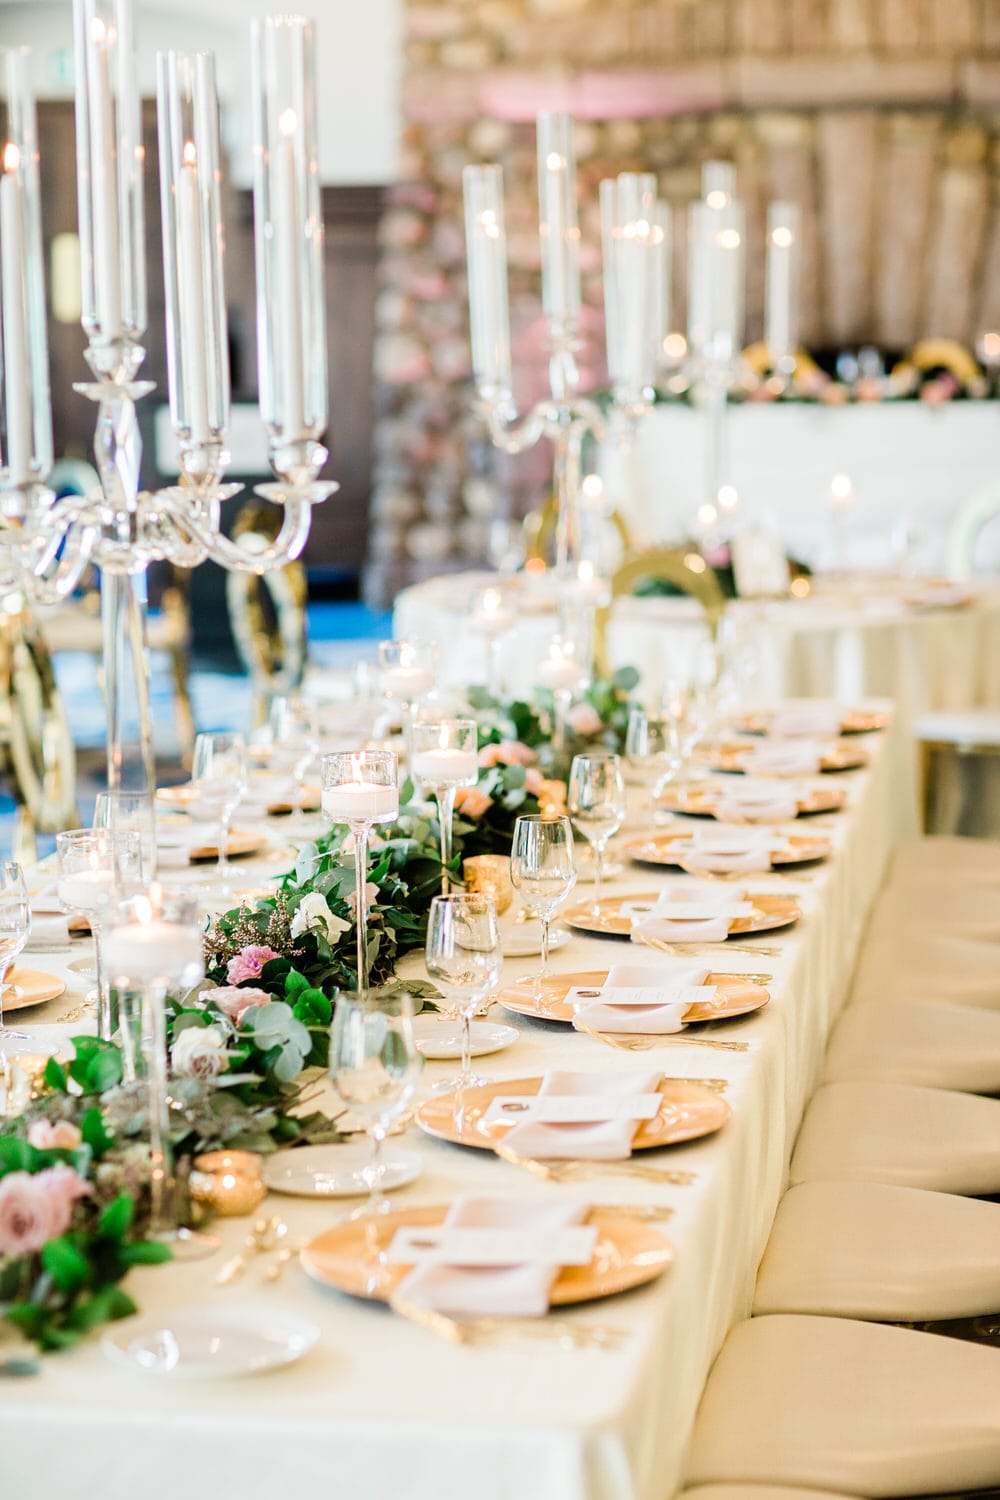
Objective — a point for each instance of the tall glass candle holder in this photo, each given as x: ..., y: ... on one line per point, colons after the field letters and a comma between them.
x: 784, y: 272
x: 445, y: 757
x: 490, y: 618
x: 153, y: 946
x: 628, y: 209
x: 97, y: 870
x: 563, y: 675
x: 715, y: 323
x: 407, y: 673
x: 361, y: 789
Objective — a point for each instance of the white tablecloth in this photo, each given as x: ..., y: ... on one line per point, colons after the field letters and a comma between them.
x: 381, y: 1408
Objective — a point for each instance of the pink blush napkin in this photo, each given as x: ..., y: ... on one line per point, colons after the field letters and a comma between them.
x: 599, y: 1140
x: 492, y: 1291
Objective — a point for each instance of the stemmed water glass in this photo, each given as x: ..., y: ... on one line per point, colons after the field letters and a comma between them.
x: 374, y: 1065
x: 464, y: 958
x: 98, y: 869
x: 154, y: 945
x: 295, y: 740
x: 130, y: 812
x: 445, y: 757
x: 219, y: 778
x: 15, y: 925
x: 596, y: 803
x: 361, y: 789
x: 542, y: 869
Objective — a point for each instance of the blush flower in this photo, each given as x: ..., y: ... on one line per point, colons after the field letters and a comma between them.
x: 534, y: 781
x: 371, y: 896
x: 471, y: 801
x: 507, y: 753
x: 248, y: 963
x: 57, y: 1135
x: 584, y: 719
x: 36, y: 1209
x: 199, y: 1052
x: 235, y: 1002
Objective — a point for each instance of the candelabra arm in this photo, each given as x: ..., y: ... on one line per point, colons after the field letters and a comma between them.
x: 513, y: 434
x: 58, y: 544
x: 287, y: 545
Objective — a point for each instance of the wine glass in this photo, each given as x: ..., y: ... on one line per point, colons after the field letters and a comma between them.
x: 464, y: 959
x: 596, y: 803
x: 295, y: 739
x: 542, y: 869
x: 650, y: 750
x: 445, y: 757
x: 15, y: 925
x: 97, y: 869
x: 219, y: 777
x: 130, y: 812
x: 374, y: 1065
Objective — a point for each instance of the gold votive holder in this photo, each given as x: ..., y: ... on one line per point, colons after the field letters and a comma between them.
x: 227, y: 1182
x: 489, y: 875
x: 552, y: 799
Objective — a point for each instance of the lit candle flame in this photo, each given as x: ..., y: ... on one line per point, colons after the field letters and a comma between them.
x: 11, y: 157
x: 190, y: 154
x: 288, y: 122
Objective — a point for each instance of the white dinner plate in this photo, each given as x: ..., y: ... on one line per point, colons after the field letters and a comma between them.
x: 210, y: 1342
x: 337, y: 1171
x: 440, y: 1038
x: 525, y: 940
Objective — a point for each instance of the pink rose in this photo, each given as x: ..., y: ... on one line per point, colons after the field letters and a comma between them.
x: 249, y: 962
x: 471, y: 801
x: 507, y: 753
x: 584, y: 719
x: 371, y: 896
x: 36, y: 1209
x: 59, y: 1135
x: 534, y: 781
x: 234, y: 1002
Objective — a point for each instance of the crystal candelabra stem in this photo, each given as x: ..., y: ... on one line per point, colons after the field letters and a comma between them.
x: 567, y: 475
x: 446, y: 815
x: 361, y: 832
x: 717, y: 432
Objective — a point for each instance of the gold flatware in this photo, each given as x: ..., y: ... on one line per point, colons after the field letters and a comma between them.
x: 470, y: 1331
x: 264, y: 1236
x: 571, y: 1171
x: 709, y: 1041
x: 682, y: 950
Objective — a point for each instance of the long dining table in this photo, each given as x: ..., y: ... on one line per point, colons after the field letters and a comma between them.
x: 381, y: 1407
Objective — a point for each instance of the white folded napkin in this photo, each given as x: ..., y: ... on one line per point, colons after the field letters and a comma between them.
x: 781, y: 758
x: 175, y: 843
x: 48, y: 932
x: 711, y: 913
x: 45, y: 902
x: 518, y: 1291
x: 660, y: 1017
x: 756, y: 804
x: 726, y: 851
x: 816, y: 720
x: 598, y: 1140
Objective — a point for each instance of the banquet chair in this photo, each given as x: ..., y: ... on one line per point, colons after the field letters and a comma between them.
x: 916, y: 1041
x: 855, y: 1407
x: 902, y: 1135
x: 672, y: 565
x: 758, y: 1492
x: 882, y: 1253
x: 956, y: 738
x: 972, y: 515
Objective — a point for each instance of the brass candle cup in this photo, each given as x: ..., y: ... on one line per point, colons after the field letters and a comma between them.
x: 227, y: 1182
x: 489, y: 875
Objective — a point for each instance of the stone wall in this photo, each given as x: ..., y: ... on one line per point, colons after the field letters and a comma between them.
x: 880, y: 117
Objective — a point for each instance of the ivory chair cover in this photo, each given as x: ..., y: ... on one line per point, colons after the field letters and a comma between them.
x: 895, y: 1133
x: 843, y: 1405
x: 917, y: 1041
x: 926, y: 860
x: 756, y: 1492
x: 885, y: 1254
x: 926, y: 965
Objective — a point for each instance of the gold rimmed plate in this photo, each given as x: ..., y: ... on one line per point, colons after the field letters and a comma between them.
x: 628, y: 1254
x: 687, y: 1112
x: 702, y: 802
x: 27, y: 987
x: 733, y: 997
x: 607, y: 919
x: 855, y: 721
x: 671, y: 849
x: 241, y: 846
x: 733, y: 758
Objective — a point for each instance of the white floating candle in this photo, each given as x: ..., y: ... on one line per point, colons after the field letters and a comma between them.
x: 140, y: 952
x: 446, y: 768
x: 361, y: 802
x: 87, y: 890
x: 560, y: 674
x: 406, y: 683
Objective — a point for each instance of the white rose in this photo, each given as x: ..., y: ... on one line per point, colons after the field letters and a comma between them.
x: 199, y: 1052
x: 313, y: 911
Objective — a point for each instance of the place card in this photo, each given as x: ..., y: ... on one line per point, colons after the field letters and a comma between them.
x: 458, y: 1246
x: 641, y: 995
x: 570, y: 1109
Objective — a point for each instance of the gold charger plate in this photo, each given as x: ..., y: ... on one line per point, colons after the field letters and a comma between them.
x: 736, y: 997
x: 854, y: 722
x: 241, y: 846
x: 27, y: 987
x: 732, y: 758
x: 768, y: 913
x: 688, y: 1112
x: 627, y: 1254
x: 182, y: 797
x: 698, y: 802
x: 669, y: 849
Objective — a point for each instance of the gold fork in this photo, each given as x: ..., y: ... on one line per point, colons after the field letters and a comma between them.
x: 470, y: 1331
x: 683, y: 950
x: 572, y: 1171
x: 643, y: 1043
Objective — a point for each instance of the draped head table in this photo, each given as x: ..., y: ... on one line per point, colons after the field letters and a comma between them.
x: 380, y: 1407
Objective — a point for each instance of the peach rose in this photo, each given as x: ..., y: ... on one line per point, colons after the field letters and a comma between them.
x: 235, y: 1002
x: 471, y: 801
x: 57, y: 1135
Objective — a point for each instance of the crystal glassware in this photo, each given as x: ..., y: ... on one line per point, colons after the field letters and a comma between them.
x: 407, y: 673
x: 15, y: 925
x: 295, y: 740
x: 542, y: 869
x: 464, y: 958
x: 97, y: 870
x: 445, y: 757
x: 596, y: 803
x: 361, y: 789
x: 130, y: 812
x: 374, y: 1066
x: 219, y: 776
x: 153, y: 944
